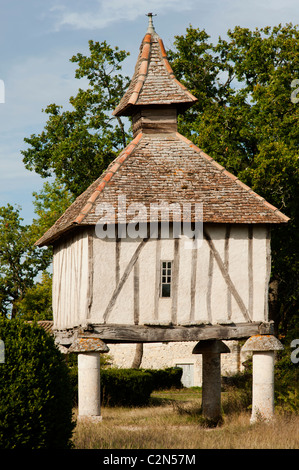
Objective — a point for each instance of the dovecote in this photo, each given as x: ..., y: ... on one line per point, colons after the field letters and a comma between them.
x: 125, y: 285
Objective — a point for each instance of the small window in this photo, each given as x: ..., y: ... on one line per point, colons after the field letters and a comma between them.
x: 166, y: 278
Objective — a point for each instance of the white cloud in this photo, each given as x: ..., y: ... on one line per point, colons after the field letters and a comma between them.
x: 110, y: 11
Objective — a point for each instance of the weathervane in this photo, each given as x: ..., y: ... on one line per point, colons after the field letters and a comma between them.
x: 150, y: 28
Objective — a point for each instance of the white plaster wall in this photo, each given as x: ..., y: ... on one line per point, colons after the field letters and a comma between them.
x: 219, y: 287
x: 147, y: 272
x: 75, y: 275
x: 202, y: 283
x: 211, y: 303
x: 164, y: 304
x: 103, y: 273
x: 238, y: 267
x: 261, y: 273
x: 184, y: 284
x: 70, y: 282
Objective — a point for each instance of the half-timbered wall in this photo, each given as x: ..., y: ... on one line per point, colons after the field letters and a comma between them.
x: 225, y: 279
x: 106, y: 281
x: 70, y: 292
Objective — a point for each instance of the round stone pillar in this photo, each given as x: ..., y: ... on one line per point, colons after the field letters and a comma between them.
x: 211, y: 351
x: 89, y: 388
x: 263, y: 349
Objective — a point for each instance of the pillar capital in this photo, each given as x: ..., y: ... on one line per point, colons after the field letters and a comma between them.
x: 262, y: 343
x: 85, y: 345
x: 210, y: 346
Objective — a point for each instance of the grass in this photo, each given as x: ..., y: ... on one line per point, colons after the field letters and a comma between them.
x: 172, y: 421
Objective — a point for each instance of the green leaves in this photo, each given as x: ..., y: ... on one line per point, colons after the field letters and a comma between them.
x: 246, y: 120
x: 19, y: 260
x: 21, y: 292
x: 37, y: 301
x: 78, y: 144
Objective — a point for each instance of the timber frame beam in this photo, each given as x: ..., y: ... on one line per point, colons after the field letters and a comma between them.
x: 115, y: 333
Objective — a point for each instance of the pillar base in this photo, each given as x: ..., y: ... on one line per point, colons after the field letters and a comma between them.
x: 89, y: 419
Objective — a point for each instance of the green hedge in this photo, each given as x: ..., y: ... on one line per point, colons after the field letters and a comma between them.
x: 125, y: 387
x: 166, y: 378
x: 130, y: 387
x: 35, y: 391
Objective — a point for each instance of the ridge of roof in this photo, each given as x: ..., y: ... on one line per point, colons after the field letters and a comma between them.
x: 233, y: 177
x: 134, y: 91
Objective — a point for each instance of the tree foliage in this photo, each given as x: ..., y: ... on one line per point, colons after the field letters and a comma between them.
x: 77, y: 145
x: 49, y: 204
x: 20, y: 261
x: 246, y: 120
x: 22, y: 291
x: 36, y: 304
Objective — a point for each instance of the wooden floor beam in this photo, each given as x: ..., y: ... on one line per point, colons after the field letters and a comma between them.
x: 113, y: 333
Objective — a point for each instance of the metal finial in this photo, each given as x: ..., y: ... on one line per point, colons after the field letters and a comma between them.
x: 150, y: 28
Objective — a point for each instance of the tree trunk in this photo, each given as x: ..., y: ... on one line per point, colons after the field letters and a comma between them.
x: 138, y: 356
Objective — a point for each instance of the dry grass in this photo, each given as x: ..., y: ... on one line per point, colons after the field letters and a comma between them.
x: 176, y: 424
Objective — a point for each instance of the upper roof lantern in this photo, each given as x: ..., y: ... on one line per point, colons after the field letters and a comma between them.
x: 153, y: 82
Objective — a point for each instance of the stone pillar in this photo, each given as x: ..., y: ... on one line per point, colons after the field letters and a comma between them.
x: 263, y: 349
x: 89, y: 389
x: 211, y: 377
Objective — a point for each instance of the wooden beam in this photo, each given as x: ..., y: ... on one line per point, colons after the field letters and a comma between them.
x: 153, y: 334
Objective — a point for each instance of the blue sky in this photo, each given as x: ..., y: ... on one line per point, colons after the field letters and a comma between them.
x: 38, y: 38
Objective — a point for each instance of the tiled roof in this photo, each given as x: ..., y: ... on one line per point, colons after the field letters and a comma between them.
x: 47, y: 325
x: 153, y: 82
x: 157, y: 168
x: 164, y: 167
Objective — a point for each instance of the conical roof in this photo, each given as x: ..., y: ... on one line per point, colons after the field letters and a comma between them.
x: 153, y: 82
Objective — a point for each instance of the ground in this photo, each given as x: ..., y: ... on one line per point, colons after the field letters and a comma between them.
x: 172, y: 421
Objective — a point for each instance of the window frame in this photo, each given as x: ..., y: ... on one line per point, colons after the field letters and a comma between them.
x: 166, y: 273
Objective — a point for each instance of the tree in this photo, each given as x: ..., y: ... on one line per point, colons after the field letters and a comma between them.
x: 76, y: 146
x: 22, y: 292
x: 49, y: 204
x: 20, y: 262
x: 36, y: 303
x: 246, y: 120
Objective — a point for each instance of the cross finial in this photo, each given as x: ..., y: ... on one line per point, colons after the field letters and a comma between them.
x: 150, y: 28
